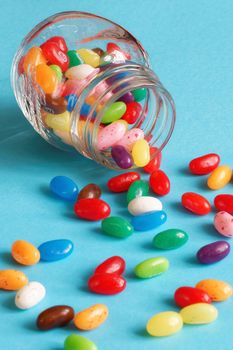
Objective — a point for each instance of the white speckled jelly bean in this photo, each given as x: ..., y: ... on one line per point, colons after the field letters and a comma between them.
x: 144, y: 204
x: 110, y: 135
x: 223, y: 222
x: 30, y: 295
x: 80, y: 72
x: 130, y: 138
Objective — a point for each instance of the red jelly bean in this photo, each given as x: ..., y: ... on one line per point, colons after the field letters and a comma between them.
x: 196, y: 203
x: 224, y: 202
x: 54, y: 55
x: 133, y: 112
x: 92, y: 209
x: 114, y: 48
x: 106, y: 283
x: 115, y: 264
x: 154, y: 163
x: 185, y: 296
x: 205, y: 164
x: 159, y: 183
x: 121, y: 183
x: 60, y: 41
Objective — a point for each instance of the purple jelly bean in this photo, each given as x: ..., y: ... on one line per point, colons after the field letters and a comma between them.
x: 213, y: 252
x: 127, y: 97
x: 121, y: 157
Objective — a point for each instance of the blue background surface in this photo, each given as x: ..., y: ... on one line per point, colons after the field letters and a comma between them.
x: 190, y: 45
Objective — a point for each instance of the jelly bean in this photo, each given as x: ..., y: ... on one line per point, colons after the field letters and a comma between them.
x: 58, y: 122
x: 154, y: 163
x: 151, y: 267
x: 122, y: 182
x: 46, y: 78
x: 133, y: 112
x: 77, y: 342
x: 195, y: 203
x: 141, y: 153
x: 224, y: 202
x: 106, y: 283
x: 91, y: 317
x: 149, y: 221
x: 85, y: 109
x: 64, y: 187
x: 200, y: 313
x: 185, y: 296
x: 127, y: 98
x: 12, y: 279
x: 115, y: 264
x: 213, y: 252
x: 59, y: 41
x: 130, y: 138
x: 217, y: 290
x: 30, y: 295
x: 117, y: 227
x: 164, y: 324
x: 71, y: 101
x: 32, y: 59
x: 74, y: 58
x: 114, y: 112
x: 55, y: 55
x: 90, y: 191
x: 223, y: 222
x: 54, y: 105
x: 121, y: 157
x: 110, y: 135
x: 124, y: 123
x: 115, y: 49
x: 220, y: 177
x: 92, y: 209
x: 57, y: 70
x: 139, y: 94
x: 56, y: 249
x: 205, y: 164
x: 71, y: 87
x: 170, y: 239
x: 138, y: 188
x: 98, y: 50
x: 159, y: 183
x: 106, y: 59
x: 79, y: 72
x: 25, y: 253
x: 54, y: 317
x: 144, y: 204
x: 89, y: 57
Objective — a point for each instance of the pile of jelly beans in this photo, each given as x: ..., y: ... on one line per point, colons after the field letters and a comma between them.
x: 61, y: 75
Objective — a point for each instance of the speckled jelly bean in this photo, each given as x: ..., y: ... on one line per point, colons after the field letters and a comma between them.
x: 78, y: 342
x: 195, y: 203
x: 224, y: 202
x: 137, y: 189
x: 220, y: 177
x: 74, y: 58
x: 159, y: 183
x: 121, y: 157
x: 200, y: 313
x: 91, y: 317
x: 223, y: 222
x: 71, y: 102
x: 170, y: 239
x: 151, y: 267
x: 46, y: 78
x: 110, y: 135
x: 205, y: 164
x: 25, y: 253
x: 106, y: 283
x: 164, y: 324
x: 92, y: 209
x: 56, y: 249
x: 90, y: 191
x: 12, y: 279
x: 130, y: 138
x: 122, y: 182
x: 154, y: 163
x: 64, y: 187
x: 213, y: 252
x: 114, y: 264
x: 32, y: 59
x: 185, y: 296
x: 114, y: 112
x: 139, y: 94
x: 144, y: 204
x: 54, y: 317
x: 79, y: 72
x: 30, y: 295
x: 53, y: 105
x: 149, y: 221
x: 117, y: 226
x: 89, y: 57
x: 133, y: 112
x: 216, y: 289
x: 58, y: 122
x: 141, y: 153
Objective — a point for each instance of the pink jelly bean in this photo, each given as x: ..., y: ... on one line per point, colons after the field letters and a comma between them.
x: 110, y: 135
x: 223, y: 222
x: 130, y: 138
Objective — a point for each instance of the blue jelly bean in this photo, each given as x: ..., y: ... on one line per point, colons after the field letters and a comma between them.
x: 149, y: 221
x: 72, y: 100
x: 64, y: 188
x: 54, y: 250
x: 85, y: 109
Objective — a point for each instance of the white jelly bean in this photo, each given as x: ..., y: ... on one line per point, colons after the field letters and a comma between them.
x: 79, y: 72
x: 30, y: 295
x: 130, y: 138
x: 109, y: 135
x: 223, y: 223
x: 144, y: 204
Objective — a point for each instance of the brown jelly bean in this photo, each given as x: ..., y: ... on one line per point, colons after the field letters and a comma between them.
x: 54, y: 317
x: 55, y: 105
x: 90, y: 191
x: 98, y: 50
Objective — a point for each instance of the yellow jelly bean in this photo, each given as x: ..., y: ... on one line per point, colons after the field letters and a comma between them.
x: 141, y: 153
x: 219, y: 177
x: 46, y: 78
x: 91, y: 318
x: 124, y: 122
x: 12, y: 279
x: 33, y: 58
x: 89, y: 57
x: 58, y: 122
x: 199, y: 313
x: 164, y: 324
x: 216, y: 289
x: 25, y: 253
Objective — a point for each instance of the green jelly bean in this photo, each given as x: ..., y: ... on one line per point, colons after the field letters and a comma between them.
x: 170, y: 239
x: 57, y: 70
x: 77, y: 342
x: 117, y: 227
x: 137, y: 189
x: 139, y: 94
x: 75, y: 59
x: 105, y: 59
x: 151, y: 267
x: 114, y: 112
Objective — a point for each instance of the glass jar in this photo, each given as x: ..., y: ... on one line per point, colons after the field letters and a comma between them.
x: 70, y: 117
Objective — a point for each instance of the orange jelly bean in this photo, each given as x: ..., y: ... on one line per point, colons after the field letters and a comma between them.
x: 12, y: 279
x: 46, y: 78
x: 217, y: 290
x: 25, y: 253
x: 91, y: 318
x: 33, y: 58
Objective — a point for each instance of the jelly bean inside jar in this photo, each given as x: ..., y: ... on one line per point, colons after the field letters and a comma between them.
x: 97, y: 96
